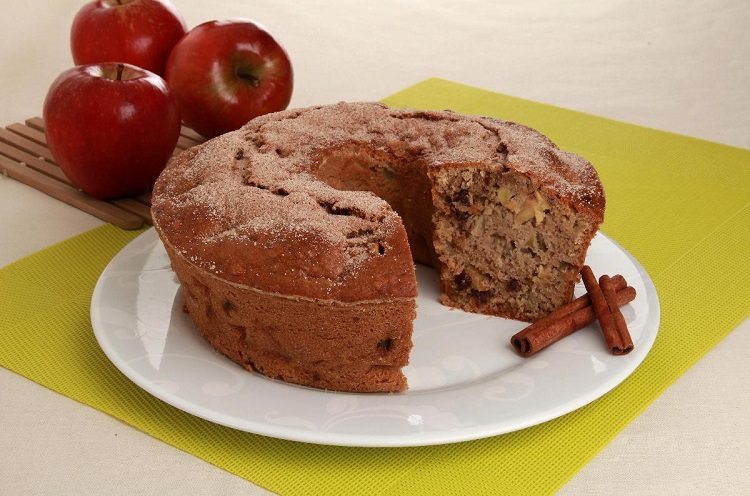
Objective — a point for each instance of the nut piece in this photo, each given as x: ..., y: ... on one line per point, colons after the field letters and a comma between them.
x: 509, y: 199
x: 538, y: 216
x: 541, y: 207
x: 527, y: 212
x: 479, y: 281
x: 578, y: 228
x: 502, y: 195
x: 532, y: 243
x: 533, y: 208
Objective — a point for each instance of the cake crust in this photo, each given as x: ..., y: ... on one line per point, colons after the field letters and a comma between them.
x: 325, y: 344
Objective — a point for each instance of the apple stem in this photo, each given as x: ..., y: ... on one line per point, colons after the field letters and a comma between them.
x: 120, y: 68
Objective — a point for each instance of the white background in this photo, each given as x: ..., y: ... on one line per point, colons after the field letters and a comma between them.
x: 673, y: 65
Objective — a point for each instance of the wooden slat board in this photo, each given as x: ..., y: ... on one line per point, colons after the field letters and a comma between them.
x: 24, y: 156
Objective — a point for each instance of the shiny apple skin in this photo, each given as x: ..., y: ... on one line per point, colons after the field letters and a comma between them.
x: 225, y: 73
x: 111, y: 137
x: 138, y: 32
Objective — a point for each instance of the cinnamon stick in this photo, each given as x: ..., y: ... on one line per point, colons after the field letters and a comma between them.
x: 581, y: 302
x: 535, y: 337
x: 602, y: 311
x: 624, y: 344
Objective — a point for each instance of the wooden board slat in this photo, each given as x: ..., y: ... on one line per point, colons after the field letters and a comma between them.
x: 28, y: 132
x: 136, y: 207
x: 26, y: 144
x: 66, y: 193
x: 32, y: 161
x: 35, y: 123
x: 24, y: 156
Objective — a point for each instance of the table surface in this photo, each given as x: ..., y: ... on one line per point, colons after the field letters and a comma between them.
x: 678, y: 66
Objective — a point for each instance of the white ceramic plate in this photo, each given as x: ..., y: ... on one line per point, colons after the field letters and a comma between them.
x: 466, y: 382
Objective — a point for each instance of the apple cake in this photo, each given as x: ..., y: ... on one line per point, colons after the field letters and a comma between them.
x: 294, y: 237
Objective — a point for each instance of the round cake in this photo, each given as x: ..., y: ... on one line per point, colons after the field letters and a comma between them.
x: 294, y: 237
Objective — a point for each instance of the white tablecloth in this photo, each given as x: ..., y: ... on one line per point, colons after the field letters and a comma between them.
x: 679, y: 66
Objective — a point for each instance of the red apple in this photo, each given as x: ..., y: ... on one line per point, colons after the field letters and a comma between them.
x: 111, y: 127
x: 138, y: 32
x: 224, y: 73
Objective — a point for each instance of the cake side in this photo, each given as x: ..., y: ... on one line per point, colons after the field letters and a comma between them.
x: 356, y: 347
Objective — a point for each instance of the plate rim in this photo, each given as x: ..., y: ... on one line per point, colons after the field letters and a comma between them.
x: 430, y: 438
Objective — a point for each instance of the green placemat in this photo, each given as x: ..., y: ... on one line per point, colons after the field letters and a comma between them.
x: 680, y: 205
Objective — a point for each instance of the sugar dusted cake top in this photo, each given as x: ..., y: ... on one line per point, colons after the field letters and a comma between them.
x: 248, y: 207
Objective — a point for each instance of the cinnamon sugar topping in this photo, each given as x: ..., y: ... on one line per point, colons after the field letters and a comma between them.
x: 251, y: 196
